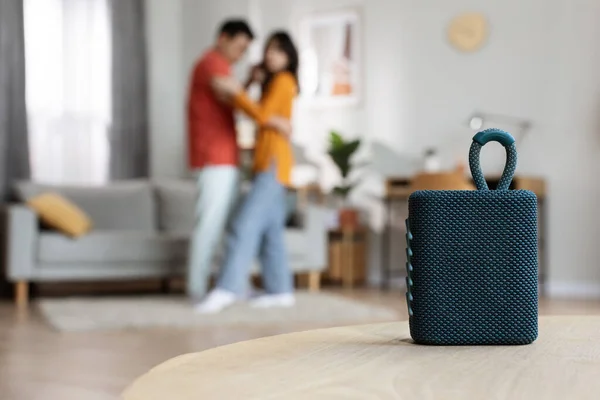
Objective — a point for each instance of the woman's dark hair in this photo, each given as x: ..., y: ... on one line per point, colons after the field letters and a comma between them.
x: 284, y: 43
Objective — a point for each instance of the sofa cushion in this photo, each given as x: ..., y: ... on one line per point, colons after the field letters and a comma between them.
x: 125, y: 205
x: 131, y: 246
x: 176, y: 203
x: 295, y: 242
x: 111, y: 246
x: 61, y: 214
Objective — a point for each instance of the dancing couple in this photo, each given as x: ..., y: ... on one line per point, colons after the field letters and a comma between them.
x: 257, y: 227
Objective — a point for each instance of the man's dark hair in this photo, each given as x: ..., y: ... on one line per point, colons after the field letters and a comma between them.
x: 234, y: 27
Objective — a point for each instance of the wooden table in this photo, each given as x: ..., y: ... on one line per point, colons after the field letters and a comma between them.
x: 380, y: 362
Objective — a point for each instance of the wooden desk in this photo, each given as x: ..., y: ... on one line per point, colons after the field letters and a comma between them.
x: 398, y: 190
x: 381, y: 362
x: 399, y: 187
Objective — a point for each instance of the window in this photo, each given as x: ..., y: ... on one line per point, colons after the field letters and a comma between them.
x: 68, y: 59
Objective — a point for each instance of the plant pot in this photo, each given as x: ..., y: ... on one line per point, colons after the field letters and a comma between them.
x: 348, y: 218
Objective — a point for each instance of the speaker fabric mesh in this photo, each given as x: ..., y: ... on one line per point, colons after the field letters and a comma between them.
x: 473, y: 264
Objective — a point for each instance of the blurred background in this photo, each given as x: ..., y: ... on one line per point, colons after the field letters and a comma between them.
x: 92, y: 107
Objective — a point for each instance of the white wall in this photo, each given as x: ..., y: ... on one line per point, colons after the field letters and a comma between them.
x: 569, y: 153
x: 541, y: 63
x: 166, y: 87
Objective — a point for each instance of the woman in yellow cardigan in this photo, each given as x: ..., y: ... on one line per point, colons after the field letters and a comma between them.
x: 259, y: 226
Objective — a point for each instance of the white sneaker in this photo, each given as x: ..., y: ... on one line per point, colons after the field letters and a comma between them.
x: 274, y: 300
x: 216, y: 301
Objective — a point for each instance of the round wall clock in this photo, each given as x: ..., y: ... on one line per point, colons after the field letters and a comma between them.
x: 468, y: 32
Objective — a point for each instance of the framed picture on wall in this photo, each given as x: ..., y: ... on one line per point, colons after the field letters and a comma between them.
x: 330, y: 58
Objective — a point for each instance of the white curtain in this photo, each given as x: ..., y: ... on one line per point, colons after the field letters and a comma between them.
x: 68, y: 64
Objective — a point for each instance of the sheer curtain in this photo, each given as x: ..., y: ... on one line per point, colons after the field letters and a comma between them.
x: 68, y: 64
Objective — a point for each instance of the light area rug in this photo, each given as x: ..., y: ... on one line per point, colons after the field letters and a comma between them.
x: 83, y: 314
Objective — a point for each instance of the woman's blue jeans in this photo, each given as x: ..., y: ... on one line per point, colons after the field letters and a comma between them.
x: 258, y: 229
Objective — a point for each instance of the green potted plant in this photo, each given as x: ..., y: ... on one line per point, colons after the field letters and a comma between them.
x: 341, y: 152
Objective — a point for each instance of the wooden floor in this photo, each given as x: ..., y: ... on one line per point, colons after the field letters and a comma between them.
x: 39, y: 363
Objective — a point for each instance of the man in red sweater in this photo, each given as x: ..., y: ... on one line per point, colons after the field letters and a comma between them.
x: 213, y: 150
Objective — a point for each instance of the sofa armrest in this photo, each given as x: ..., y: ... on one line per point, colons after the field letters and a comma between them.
x: 20, y: 237
x: 316, y: 231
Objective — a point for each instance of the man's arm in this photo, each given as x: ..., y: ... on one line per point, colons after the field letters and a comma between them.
x: 264, y: 113
x: 257, y: 75
x: 280, y: 124
x: 283, y: 89
x: 217, y: 67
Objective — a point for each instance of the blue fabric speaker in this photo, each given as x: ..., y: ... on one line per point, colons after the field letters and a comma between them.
x: 473, y: 259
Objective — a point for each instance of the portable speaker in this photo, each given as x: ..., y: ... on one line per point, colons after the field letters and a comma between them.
x: 472, y: 259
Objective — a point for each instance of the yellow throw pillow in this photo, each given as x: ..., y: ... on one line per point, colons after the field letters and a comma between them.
x: 59, y: 213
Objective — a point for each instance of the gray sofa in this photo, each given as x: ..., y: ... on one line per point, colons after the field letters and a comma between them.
x: 141, y: 230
